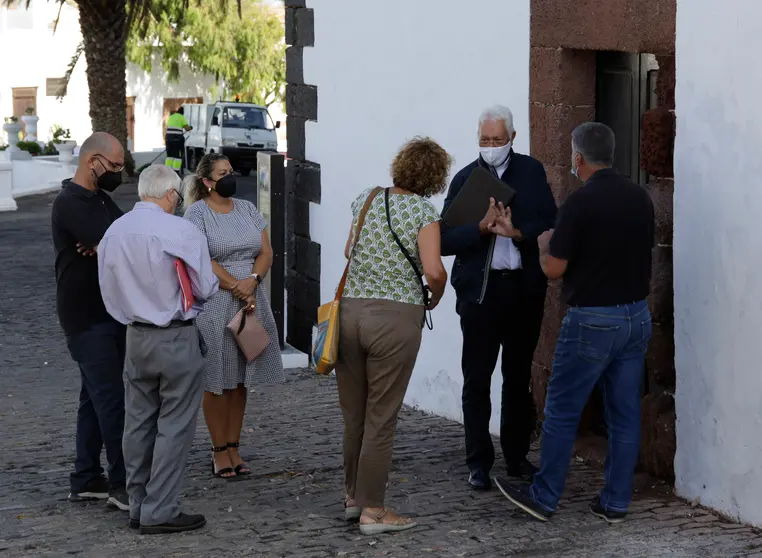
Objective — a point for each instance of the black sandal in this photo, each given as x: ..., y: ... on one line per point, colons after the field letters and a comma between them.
x: 222, y: 473
x: 241, y: 469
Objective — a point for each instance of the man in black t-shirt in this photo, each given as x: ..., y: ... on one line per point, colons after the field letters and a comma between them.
x: 81, y: 213
x: 602, y: 248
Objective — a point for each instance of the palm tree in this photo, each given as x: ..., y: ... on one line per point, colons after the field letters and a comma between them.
x: 105, y: 25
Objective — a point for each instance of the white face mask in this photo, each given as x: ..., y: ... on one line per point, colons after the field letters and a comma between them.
x: 495, y: 156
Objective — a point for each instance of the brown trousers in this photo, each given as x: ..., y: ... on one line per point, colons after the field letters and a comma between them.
x: 378, y: 345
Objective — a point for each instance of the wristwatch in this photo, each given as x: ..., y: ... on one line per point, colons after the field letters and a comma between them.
x: 256, y: 277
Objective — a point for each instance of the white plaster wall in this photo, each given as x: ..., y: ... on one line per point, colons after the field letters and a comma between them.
x: 718, y: 256
x: 387, y: 71
x: 37, y: 176
x: 32, y: 54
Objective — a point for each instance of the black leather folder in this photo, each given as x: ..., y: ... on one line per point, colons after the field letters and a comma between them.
x: 472, y: 201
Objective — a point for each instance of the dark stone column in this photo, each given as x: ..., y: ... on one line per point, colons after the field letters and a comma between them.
x: 302, y: 183
x: 656, y: 154
x: 562, y: 96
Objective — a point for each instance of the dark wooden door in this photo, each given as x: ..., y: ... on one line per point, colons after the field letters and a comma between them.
x: 625, y: 84
x: 24, y: 98
x: 618, y: 106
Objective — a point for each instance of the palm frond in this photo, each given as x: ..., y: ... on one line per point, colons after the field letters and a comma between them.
x: 70, y: 69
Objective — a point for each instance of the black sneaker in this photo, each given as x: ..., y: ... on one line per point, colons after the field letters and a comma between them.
x: 183, y: 522
x: 523, y: 470
x: 96, y: 489
x: 518, y: 493
x: 118, y: 499
x: 479, y: 479
x: 611, y: 517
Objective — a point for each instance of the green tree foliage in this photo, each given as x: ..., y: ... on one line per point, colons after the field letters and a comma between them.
x: 245, y: 51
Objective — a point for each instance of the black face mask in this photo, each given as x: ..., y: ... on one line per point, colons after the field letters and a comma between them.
x: 226, y: 186
x: 109, y: 180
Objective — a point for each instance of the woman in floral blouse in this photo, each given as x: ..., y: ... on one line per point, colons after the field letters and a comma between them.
x: 382, y: 315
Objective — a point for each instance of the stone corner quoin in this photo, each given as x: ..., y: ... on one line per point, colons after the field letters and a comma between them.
x: 302, y: 182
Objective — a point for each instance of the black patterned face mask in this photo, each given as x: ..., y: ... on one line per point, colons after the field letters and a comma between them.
x: 226, y: 186
x: 110, y: 181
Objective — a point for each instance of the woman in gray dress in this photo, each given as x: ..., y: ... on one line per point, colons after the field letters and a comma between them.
x: 241, y: 257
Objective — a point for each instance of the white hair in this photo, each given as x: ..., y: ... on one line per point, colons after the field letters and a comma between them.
x: 497, y: 113
x: 156, y: 180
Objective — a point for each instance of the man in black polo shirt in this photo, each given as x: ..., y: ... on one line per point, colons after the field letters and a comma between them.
x: 82, y: 212
x: 602, y: 248
x: 501, y: 298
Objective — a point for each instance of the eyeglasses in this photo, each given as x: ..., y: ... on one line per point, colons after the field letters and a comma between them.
x: 115, y: 167
x: 493, y: 142
x: 179, y: 195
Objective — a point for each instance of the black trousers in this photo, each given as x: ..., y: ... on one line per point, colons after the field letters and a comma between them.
x: 100, y: 352
x: 509, y: 317
x: 175, y: 146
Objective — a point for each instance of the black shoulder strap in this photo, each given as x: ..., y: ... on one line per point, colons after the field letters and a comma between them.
x: 409, y: 258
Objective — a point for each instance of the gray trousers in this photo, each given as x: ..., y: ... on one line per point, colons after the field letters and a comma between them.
x: 164, y: 375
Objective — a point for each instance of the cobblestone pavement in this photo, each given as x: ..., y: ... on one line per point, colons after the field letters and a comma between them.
x: 291, y: 506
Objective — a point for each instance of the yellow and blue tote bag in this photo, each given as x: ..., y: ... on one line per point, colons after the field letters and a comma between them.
x: 325, y: 352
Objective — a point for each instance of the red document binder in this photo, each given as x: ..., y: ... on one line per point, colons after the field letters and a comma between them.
x: 186, y: 291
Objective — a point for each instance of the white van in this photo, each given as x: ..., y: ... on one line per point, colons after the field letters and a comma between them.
x: 237, y: 130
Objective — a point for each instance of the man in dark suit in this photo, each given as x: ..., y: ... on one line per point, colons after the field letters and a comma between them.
x: 500, y: 290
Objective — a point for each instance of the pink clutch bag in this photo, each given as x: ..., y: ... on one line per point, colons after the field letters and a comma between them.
x: 251, y: 337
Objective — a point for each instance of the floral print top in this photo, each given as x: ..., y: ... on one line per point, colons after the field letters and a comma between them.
x: 379, y: 269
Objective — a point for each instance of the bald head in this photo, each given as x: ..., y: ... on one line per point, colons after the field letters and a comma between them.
x: 101, y: 143
x: 100, y: 153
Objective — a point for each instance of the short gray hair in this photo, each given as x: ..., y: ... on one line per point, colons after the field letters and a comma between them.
x: 595, y: 142
x: 497, y: 113
x: 156, y: 180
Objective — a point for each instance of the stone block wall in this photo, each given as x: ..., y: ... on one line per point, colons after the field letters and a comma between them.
x: 565, y: 35
x: 562, y: 96
x: 302, y: 183
x: 656, y: 152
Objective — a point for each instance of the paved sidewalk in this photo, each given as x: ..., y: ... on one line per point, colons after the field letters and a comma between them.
x: 291, y: 506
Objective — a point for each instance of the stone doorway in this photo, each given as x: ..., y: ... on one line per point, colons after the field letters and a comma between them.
x: 597, y: 67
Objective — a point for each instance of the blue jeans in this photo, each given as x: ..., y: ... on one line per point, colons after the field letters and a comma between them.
x: 607, y: 344
x: 99, y: 351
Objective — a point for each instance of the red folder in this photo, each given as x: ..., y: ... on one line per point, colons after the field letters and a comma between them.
x: 186, y: 291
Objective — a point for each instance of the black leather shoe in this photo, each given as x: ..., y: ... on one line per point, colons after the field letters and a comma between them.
x: 523, y: 470
x: 479, y: 480
x: 183, y: 522
x: 134, y: 524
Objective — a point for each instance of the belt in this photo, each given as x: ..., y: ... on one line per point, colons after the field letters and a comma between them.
x: 507, y: 273
x: 172, y: 324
